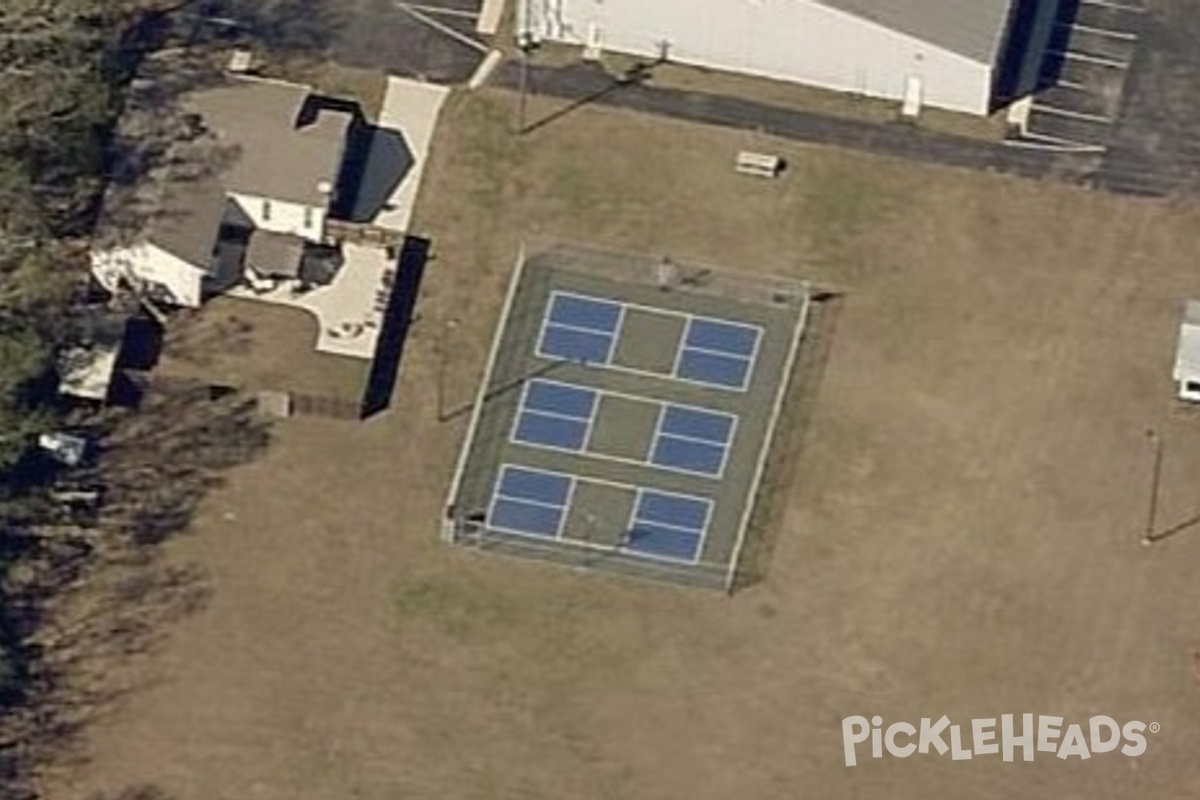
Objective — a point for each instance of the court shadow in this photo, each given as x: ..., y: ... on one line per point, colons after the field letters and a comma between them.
x: 791, y: 436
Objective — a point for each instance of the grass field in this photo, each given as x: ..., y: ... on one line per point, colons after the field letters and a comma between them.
x: 253, y: 346
x: 955, y: 529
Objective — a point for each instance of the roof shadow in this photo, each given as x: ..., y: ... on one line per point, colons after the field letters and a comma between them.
x: 385, y: 367
x: 1032, y: 58
x: 377, y: 161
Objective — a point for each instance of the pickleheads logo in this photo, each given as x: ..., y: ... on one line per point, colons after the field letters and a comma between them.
x: 1033, y: 734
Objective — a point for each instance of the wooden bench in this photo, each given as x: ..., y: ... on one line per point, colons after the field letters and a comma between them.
x: 759, y: 164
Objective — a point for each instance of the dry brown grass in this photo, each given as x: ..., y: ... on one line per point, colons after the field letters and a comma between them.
x: 960, y: 534
x: 254, y: 346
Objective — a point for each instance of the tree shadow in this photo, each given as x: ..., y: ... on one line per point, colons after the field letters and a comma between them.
x: 378, y: 159
x: 92, y: 594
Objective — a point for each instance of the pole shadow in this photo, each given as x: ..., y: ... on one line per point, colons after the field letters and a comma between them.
x: 634, y: 76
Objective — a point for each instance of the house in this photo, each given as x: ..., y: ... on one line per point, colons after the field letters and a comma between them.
x: 964, y: 55
x: 1187, y: 353
x: 265, y: 164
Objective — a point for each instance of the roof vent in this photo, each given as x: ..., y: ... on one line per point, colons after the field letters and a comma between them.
x: 241, y: 61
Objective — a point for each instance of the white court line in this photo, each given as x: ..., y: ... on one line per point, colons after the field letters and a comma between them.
x: 566, y: 511
x: 591, y: 423
x: 1063, y: 112
x: 680, y: 347
x: 1066, y: 84
x: 449, y: 527
x: 443, y: 11
x: 1087, y: 59
x: 701, y: 535
x: 768, y: 441
x: 1122, y: 35
x: 1117, y: 6
x: 441, y: 27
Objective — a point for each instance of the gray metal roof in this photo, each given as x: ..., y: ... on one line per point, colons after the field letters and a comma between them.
x: 275, y: 254
x: 972, y: 28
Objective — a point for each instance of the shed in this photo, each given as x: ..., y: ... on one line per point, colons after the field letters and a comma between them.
x: 274, y: 255
x: 1187, y: 353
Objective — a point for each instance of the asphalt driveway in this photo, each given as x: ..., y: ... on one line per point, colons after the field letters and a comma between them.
x: 1154, y: 147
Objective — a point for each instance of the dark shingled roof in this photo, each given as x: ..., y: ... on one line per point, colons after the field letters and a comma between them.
x: 286, y: 148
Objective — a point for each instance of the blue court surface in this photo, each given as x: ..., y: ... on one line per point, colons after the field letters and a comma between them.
x: 555, y: 415
x: 530, y: 502
x: 718, y: 353
x: 668, y: 526
x: 582, y: 329
x: 713, y: 352
x: 692, y: 440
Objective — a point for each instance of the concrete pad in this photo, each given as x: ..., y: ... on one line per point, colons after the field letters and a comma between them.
x: 411, y: 108
x: 350, y: 309
x: 485, y: 70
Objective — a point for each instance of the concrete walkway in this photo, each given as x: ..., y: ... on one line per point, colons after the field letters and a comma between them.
x: 410, y: 108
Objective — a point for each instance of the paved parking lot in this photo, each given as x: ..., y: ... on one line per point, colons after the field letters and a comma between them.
x: 1125, y: 78
x: 434, y: 40
x: 1154, y: 146
x: 1090, y: 54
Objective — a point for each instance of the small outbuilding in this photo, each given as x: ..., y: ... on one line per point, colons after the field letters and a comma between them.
x: 1187, y: 353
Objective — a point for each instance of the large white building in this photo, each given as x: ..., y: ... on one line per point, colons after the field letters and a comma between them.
x: 947, y: 53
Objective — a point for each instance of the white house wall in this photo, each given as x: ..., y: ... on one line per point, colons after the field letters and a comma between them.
x: 797, y: 40
x: 278, y: 216
x: 149, y: 263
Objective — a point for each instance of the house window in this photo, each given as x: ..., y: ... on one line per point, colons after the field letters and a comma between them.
x: 266, y: 210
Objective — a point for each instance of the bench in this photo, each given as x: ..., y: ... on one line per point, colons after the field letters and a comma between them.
x: 759, y: 164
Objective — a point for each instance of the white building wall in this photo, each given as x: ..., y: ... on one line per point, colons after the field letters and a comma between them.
x: 149, y: 263
x: 798, y: 40
x: 278, y: 216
